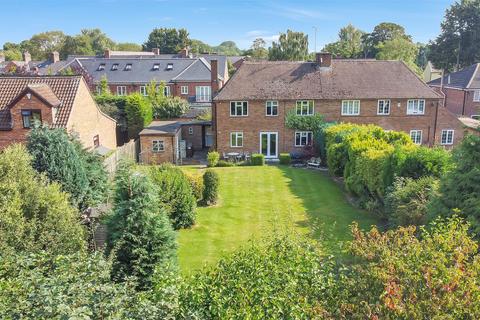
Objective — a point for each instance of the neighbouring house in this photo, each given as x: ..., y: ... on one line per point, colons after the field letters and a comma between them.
x: 51, y: 66
x: 461, y: 90
x: 174, y: 140
x: 430, y: 73
x: 59, y: 101
x: 249, y: 112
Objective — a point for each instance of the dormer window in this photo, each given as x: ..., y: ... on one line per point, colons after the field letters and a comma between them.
x: 101, y: 67
x: 170, y: 66
x: 128, y: 67
x: 114, y: 66
x: 156, y: 66
x: 29, y: 117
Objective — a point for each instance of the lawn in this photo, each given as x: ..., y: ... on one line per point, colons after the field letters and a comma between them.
x: 255, y: 201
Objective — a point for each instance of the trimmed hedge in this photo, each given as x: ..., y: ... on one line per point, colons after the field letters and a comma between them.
x: 210, y: 190
x: 212, y: 158
x: 285, y: 158
x: 258, y: 159
x: 223, y: 163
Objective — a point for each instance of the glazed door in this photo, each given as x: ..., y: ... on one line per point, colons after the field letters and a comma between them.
x: 269, y: 144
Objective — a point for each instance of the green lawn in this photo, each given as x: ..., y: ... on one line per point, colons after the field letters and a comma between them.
x: 255, y: 201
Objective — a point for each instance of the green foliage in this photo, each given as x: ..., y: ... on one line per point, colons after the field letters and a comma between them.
x: 349, y: 45
x: 383, y: 32
x: 140, y: 237
x: 459, y: 38
x: 285, y: 158
x: 460, y: 188
x: 258, y: 159
x: 399, y: 49
x: 172, y: 107
x: 168, y: 40
x: 138, y: 112
x: 196, y: 183
x: 280, y: 278
x: 224, y: 163
x: 104, y: 88
x: 87, y: 42
x: 291, y: 46
x: 36, y: 215
x: 128, y: 46
x: 406, y: 202
x: 258, y: 50
x: 400, y: 276
x: 313, y: 123
x: 175, y: 194
x: 211, y: 183
x: 212, y: 158
x: 63, y: 159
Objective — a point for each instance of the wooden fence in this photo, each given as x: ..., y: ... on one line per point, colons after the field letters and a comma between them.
x: 128, y: 151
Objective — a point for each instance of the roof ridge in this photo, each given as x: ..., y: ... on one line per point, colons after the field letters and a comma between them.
x: 184, y: 70
x: 473, y: 75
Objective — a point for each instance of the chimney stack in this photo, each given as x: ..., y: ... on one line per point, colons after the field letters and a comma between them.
x: 184, y: 53
x: 214, y: 76
x: 107, y: 53
x: 27, y: 57
x: 323, y: 59
x: 156, y: 51
x: 2, y: 57
x: 54, y: 56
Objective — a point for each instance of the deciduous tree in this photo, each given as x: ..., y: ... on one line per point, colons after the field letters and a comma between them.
x: 292, y: 46
x: 168, y: 40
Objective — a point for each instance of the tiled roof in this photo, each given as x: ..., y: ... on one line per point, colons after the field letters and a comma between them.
x: 44, y: 91
x: 467, y: 78
x: 345, y: 79
x: 63, y: 88
x: 169, y: 128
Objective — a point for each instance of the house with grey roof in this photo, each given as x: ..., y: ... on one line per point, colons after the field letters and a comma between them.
x: 461, y: 90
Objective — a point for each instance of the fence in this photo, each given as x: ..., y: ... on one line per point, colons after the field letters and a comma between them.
x: 128, y: 151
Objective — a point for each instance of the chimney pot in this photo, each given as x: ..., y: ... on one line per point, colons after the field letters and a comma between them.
x: 156, y: 51
x: 54, y: 56
x: 27, y: 57
x: 323, y: 59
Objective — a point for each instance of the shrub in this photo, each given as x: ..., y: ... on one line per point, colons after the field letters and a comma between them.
x: 258, y: 159
x: 407, y: 201
x: 285, y: 158
x: 36, y: 214
x: 140, y: 237
x: 279, y: 278
x: 212, y: 158
x: 175, y: 194
x: 171, y: 107
x: 138, y: 112
x: 113, y: 106
x: 210, y: 190
x: 460, y: 188
x: 196, y: 183
x: 224, y: 163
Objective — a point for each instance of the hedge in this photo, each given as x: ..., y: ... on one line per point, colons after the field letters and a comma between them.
x: 285, y: 158
x: 258, y: 159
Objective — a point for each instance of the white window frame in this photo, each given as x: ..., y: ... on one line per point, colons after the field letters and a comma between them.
x: 476, y: 95
x: 190, y: 130
x: 203, y: 93
x: 239, y: 105
x: 306, y: 135
x: 235, y: 136
x: 413, y: 106
x: 143, y: 90
x: 350, y: 108
x: 166, y: 91
x: 381, y: 109
x: 158, y: 146
x: 416, y: 133
x: 447, y: 142
x: 271, y: 104
x: 184, y: 90
x: 121, y: 90
x: 305, y: 107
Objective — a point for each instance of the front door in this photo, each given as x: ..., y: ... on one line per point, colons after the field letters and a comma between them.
x: 269, y: 144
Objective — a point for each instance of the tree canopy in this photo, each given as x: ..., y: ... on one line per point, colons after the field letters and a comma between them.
x: 292, y: 46
x: 349, y: 45
x: 168, y: 40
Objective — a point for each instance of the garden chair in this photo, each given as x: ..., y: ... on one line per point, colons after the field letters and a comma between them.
x: 225, y: 157
x: 239, y: 157
x: 247, y: 156
x: 314, y: 162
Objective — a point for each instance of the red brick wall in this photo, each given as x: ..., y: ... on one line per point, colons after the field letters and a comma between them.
x: 19, y: 133
x: 460, y: 102
x: 149, y: 157
x: 196, y: 139
x: 257, y: 121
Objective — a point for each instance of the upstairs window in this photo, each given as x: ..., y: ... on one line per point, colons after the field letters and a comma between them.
x: 350, y: 107
x: 114, y: 66
x: 190, y: 130
x: 416, y: 106
x: 169, y: 66
x: 156, y: 66
x: 416, y: 136
x: 203, y: 94
x: 128, y: 67
x: 238, y: 108
x: 101, y: 67
x: 304, y: 108
x: 383, y: 107
x: 447, y: 137
x: 271, y: 108
x: 29, y: 117
x: 476, y: 96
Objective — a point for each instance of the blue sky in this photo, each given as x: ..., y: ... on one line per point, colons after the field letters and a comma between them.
x: 216, y: 21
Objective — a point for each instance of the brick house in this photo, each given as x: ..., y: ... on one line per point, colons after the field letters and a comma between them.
x: 461, y: 90
x: 248, y: 114
x: 60, y: 101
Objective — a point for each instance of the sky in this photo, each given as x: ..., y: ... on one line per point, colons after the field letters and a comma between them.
x: 215, y: 21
